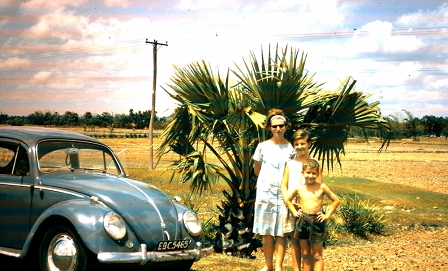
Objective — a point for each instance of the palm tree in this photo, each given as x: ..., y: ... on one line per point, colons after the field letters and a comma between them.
x: 218, y: 120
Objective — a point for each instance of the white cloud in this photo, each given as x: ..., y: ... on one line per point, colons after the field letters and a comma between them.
x: 426, y: 18
x: 207, y: 4
x: 40, y: 4
x: 380, y: 37
x: 101, y: 52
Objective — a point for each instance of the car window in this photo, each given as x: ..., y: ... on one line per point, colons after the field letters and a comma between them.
x: 13, y: 159
x: 6, y: 160
x: 54, y: 156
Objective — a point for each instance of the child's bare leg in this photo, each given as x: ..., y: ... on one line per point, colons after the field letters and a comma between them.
x: 268, y: 249
x: 306, y: 255
x: 316, y: 251
x: 281, y: 249
x: 296, y: 254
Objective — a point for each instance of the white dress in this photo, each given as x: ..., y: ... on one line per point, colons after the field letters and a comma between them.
x: 269, y: 204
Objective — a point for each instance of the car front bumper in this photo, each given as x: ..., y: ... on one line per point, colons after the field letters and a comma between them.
x: 143, y: 256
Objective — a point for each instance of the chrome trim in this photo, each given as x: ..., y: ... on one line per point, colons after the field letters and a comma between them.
x: 143, y: 256
x: 16, y: 184
x: 41, y: 187
x: 167, y: 235
x: 60, y: 191
x: 10, y: 252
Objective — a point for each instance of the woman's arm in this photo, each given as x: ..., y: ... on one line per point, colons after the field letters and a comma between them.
x: 285, y: 182
x: 257, y: 167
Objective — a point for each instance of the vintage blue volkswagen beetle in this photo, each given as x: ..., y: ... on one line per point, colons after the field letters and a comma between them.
x: 65, y: 201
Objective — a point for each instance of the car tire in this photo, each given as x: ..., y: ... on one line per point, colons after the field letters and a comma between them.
x: 61, y: 249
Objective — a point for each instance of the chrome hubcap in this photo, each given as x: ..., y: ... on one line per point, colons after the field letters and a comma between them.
x: 62, y: 253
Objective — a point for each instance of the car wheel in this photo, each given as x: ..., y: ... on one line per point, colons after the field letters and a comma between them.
x: 61, y: 249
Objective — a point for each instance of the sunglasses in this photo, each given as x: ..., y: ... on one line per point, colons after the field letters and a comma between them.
x: 275, y: 126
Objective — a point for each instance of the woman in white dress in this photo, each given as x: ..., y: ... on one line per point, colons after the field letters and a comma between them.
x: 269, y: 161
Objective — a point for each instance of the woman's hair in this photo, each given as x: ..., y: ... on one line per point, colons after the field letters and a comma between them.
x: 275, y: 113
x: 301, y: 134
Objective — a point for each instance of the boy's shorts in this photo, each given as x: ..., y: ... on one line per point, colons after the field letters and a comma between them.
x: 308, y: 228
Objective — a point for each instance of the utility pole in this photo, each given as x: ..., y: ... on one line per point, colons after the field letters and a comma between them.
x: 153, y: 110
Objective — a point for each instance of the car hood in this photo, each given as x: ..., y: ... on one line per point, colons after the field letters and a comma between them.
x: 148, y: 211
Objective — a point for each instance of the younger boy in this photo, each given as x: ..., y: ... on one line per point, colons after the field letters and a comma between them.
x: 310, y: 224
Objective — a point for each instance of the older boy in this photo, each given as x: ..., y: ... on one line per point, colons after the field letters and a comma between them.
x: 310, y: 224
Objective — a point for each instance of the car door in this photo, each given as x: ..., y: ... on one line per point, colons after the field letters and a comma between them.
x: 15, y: 194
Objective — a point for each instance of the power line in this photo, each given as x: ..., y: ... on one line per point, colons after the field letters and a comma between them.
x: 73, y: 51
x: 361, y: 33
x: 311, y: 35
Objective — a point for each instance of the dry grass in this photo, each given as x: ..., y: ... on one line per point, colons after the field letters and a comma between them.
x: 420, y: 169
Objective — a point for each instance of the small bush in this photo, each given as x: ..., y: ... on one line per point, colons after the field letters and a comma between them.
x: 361, y: 216
x: 333, y: 228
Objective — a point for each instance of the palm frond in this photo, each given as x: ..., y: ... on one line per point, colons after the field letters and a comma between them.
x: 330, y: 122
x: 277, y: 82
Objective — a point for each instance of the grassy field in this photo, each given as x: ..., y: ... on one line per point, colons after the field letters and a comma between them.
x: 405, y: 204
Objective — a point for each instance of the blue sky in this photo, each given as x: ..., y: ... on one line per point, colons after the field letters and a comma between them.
x: 91, y: 56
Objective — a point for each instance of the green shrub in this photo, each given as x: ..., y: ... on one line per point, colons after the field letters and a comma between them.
x: 361, y: 216
x: 333, y: 228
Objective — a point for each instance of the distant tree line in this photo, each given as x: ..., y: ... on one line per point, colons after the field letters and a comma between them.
x: 402, y: 127
x: 133, y: 120
x: 412, y: 127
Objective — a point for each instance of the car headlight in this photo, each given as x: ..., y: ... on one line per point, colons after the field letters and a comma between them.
x: 192, y: 223
x: 114, y: 226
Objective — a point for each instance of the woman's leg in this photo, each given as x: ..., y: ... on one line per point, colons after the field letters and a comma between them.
x: 268, y: 249
x: 280, y: 243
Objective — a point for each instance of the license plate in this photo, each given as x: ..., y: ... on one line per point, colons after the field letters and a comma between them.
x: 173, y: 245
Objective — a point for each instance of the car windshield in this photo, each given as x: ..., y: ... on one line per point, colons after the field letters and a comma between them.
x: 73, y: 155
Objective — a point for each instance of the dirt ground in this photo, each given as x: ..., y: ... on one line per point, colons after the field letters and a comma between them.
x: 405, y: 251
x: 422, y: 164
x: 419, y: 164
